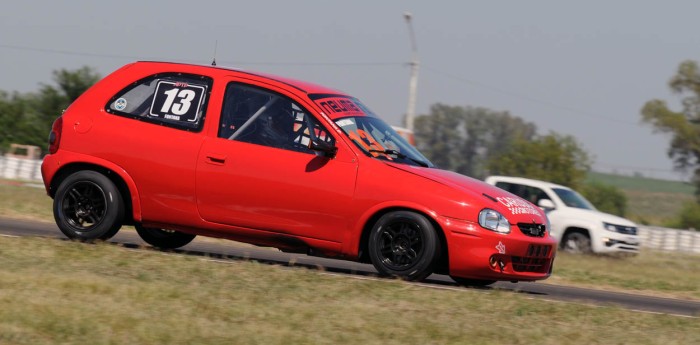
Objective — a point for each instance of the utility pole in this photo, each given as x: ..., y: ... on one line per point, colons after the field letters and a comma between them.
x: 413, y: 82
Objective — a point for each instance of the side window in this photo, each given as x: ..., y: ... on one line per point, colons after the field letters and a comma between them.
x: 531, y: 194
x: 257, y: 116
x: 171, y: 99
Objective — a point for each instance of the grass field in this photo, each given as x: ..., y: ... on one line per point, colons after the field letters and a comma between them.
x: 54, y: 291
x: 23, y: 202
x: 72, y: 293
x: 642, y: 184
x: 649, y: 201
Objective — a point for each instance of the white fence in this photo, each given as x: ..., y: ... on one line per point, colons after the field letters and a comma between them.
x: 658, y: 238
x: 20, y: 169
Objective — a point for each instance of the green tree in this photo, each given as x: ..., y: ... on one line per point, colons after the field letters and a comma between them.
x: 554, y: 158
x: 688, y: 217
x: 605, y: 197
x: 683, y: 125
x: 462, y: 139
x: 27, y: 118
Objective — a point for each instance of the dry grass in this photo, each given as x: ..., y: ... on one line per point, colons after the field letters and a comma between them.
x: 23, y: 202
x: 70, y: 293
x: 665, y: 274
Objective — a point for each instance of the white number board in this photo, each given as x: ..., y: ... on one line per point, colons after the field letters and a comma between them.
x: 177, y: 101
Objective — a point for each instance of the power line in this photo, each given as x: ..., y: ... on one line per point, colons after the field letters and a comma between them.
x: 452, y: 76
x: 246, y: 63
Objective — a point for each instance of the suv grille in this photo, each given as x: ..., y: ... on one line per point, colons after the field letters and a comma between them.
x: 532, y: 229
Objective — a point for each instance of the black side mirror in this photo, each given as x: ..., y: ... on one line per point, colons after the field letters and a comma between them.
x: 327, y: 149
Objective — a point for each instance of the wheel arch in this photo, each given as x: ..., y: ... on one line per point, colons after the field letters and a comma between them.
x: 573, y: 229
x: 123, y: 182
x: 363, y: 252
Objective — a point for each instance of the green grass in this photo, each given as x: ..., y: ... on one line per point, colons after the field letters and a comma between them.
x: 649, y: 201
x: 63, y: 292
x: 638, y: 183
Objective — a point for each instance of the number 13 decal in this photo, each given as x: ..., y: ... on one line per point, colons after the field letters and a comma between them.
x: 180, y: 108
x: 177, y: 101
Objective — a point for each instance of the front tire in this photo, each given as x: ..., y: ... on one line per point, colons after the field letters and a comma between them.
x: 88, y: 206
x: 163, y: 239
x: 576, y: 242
x: 404, y: 244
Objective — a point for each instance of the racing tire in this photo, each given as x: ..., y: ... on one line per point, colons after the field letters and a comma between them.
x: 163, y: 239
x: 472, y: 282
x: 88, y: 206
x: 576, y: 242
x: 404, y: 244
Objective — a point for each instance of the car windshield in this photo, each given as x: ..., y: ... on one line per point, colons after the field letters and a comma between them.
x: 573, y: 199
x: 377, y: 139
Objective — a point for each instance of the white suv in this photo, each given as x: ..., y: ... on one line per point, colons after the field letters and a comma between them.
x: 578, y: 226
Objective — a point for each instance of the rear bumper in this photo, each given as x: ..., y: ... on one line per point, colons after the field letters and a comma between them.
x: 476, y: 253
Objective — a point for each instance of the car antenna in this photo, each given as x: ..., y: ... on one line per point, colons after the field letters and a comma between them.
x: 216, y: 43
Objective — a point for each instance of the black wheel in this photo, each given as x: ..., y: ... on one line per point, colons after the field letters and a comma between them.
x: 576, y: 242
x: 472, y: 282
x: 404, y: 244
x: 87, y: 206
x: 164, y: 239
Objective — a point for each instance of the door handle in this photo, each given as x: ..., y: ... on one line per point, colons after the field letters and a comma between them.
x: 216, y: 159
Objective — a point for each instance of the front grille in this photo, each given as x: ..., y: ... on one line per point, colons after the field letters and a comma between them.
x: 532, y: 229
x: 536, y: 260
x: 623, y: 229
x: 627, y: 230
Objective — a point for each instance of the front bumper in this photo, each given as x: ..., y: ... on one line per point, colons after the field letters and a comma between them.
x: 477, y: 253
x: 611, y: 242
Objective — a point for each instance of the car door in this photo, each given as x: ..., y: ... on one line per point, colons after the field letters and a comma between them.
x: 259, y: 173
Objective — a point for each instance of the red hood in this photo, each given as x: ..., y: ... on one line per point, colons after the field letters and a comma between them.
x: 514, y: 208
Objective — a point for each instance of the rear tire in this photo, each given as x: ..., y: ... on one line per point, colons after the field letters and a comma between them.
x: 576, y: 242
x: 88, y: 206
x: 163, y: 239
x: 404, y: 244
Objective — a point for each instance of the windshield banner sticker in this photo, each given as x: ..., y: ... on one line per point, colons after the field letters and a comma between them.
x: 340, y: 107
x: 517, y: 205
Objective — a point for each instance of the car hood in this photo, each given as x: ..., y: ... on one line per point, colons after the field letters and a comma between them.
x: 595, y: 215
x: 516, y: 209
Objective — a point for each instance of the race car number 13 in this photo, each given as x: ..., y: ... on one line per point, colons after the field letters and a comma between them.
x: 177, y: 101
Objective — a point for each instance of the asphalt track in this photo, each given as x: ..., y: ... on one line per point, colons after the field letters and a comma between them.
x: 227, y: 251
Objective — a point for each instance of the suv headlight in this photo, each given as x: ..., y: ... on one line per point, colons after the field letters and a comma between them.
x: 628, y: 230
x: 609, y: 227
x: 494, y: 221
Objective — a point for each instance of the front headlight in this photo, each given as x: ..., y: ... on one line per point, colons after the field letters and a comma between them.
x: 494, y: 221
x: 609, y: 227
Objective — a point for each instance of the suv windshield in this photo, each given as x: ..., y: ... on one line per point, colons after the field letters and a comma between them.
x: 573, y: 199
x: 377, y: 139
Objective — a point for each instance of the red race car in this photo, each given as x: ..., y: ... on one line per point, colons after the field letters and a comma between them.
x: 179, y: 150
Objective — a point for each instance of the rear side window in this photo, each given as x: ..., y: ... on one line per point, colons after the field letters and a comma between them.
x: 171, y: 99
